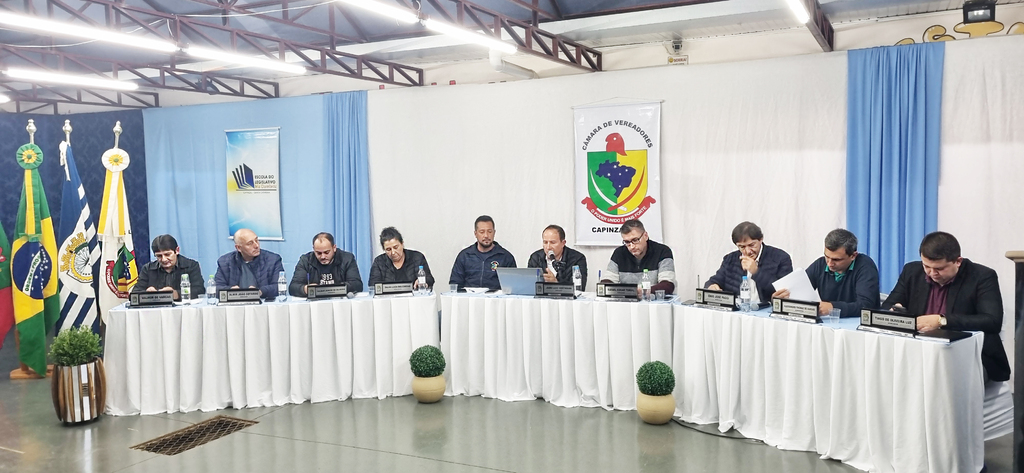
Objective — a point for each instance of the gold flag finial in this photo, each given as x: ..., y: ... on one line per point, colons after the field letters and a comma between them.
x: 117, y: 133
x: 31, y: 129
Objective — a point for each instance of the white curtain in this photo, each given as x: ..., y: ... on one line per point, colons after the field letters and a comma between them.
x: 762, y: 141
x: 983, y: 156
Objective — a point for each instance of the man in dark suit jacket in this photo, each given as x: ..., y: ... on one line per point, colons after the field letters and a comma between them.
x: 951, y: 292
x: 763, y: 263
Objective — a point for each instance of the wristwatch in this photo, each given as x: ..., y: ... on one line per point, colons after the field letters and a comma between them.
x: 942, y: 321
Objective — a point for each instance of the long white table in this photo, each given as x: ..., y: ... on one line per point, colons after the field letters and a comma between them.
x: 877, y: 402
x: 570, y: 353
x: 203, y: 357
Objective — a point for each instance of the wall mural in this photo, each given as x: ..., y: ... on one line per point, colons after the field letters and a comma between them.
x: 974, y: 30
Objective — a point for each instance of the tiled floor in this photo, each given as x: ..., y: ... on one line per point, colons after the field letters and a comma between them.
x: 460, y: 434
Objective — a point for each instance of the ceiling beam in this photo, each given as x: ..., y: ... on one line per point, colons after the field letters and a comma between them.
x: 534, y: 7
x: 38, y: 94
x: 820, y: 27
x: 156, y: 76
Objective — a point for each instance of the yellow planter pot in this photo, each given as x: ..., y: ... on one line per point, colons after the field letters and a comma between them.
x: 428, y: 390
x: 655, y: 409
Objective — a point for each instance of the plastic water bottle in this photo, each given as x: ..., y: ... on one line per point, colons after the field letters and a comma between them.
x: 745, y: 295
x: 645, y: 286
x: 211, y: 291
x: 421, y: 281
x: 185, y: 290
x: 577, y: 279
x: 282, y: 287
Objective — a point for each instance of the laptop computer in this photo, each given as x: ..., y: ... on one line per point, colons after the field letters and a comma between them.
x: 519, y: 281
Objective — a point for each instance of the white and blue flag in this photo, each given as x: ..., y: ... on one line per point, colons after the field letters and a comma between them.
x: 79, y: 252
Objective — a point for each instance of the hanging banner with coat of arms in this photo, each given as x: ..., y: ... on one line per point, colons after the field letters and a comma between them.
x: 618, y: 176
x: 253, y: 181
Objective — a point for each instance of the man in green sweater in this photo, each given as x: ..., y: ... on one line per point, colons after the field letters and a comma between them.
x: 845, y: 280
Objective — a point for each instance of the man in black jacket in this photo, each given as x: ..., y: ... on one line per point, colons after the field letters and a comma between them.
x: 397, y: 264
x: 761, y: 263
x: 948, y: 291
x: 165, y: 273
x: 477, y: 265
x: 326, y: 265
x: 554, y: 254
x: 845, y: 279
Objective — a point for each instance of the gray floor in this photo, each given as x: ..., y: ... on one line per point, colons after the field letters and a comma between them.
x: 460, y: 434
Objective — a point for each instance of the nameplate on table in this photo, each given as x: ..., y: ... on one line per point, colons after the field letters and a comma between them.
x: 795, y: 310
x: 558, y: 290
x: 390, y: 288
x: 888, y: 322
x: 238, y: 296
x: 716, y: 300
x: 617, y: 291
x: 315, y: 292
x: 151, y: 299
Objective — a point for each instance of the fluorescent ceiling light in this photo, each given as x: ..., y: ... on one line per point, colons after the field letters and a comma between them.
x: 60, y: 28
x: 799, y: 9
x: 469, y: 36
x: 400, y: 14
x: 58, y: 78
x: 249, y: 61
x: 4, y: 98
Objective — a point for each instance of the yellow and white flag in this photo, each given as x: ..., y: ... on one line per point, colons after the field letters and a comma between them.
x: 115, y: 234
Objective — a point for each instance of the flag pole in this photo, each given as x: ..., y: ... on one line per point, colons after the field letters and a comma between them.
x: 23, y: 371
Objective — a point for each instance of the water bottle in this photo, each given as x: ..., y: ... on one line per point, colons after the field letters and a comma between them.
x: 211, y: 291
x: 577, y: 279
x: 745, y: 295
x: 185, y: 290
x: 421, y: 281
x: 282, y: 287
x: 645, y: 286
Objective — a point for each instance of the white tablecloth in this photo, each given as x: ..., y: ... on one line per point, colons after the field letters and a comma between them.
x: 211, y: 357
x: 877, y: 402
x: 570, y: 353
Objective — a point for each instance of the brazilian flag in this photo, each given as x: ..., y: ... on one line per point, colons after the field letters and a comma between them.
x: 33, y: 268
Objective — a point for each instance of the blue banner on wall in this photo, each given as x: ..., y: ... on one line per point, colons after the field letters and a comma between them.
x: 253, y: 182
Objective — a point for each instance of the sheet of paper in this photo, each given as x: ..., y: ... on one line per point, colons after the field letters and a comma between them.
x: 799, y: 286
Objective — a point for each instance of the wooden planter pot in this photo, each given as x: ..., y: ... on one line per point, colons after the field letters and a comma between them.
x: 79, y: 392
x: 655, y: 409
x: 428, y: 390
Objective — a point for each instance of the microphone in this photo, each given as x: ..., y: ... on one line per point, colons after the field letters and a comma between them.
x: 551, y: 263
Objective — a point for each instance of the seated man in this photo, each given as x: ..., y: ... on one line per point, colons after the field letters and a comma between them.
x: 845, y: 280
x: 762, y: 264
x: 248, y: 267
x: 397, y: 264
x: 165, y: 273
x: 477, y: 264
x: 637, y: 253
x: 554, y: 254
x: 947, y: 291
x: 326, y: 265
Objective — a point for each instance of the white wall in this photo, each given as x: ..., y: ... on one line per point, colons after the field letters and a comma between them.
x: 983, y: 157
x: 761, y: 141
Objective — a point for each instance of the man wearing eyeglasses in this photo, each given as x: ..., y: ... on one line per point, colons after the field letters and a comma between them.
x: 248, y: 267
x: 760, y: 263
x: 637, y: 253
x: 845, y: 279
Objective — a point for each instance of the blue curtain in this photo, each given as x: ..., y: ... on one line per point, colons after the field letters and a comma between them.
x: 892, y: 151
x: 187, y: 174
x: 346, y: 147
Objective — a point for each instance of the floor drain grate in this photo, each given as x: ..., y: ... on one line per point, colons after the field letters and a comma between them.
x: 194, y: 436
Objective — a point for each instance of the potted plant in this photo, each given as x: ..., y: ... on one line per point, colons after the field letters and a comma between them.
x: 79, y: 383
x: 656, y: 382
x: 427, y: 363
